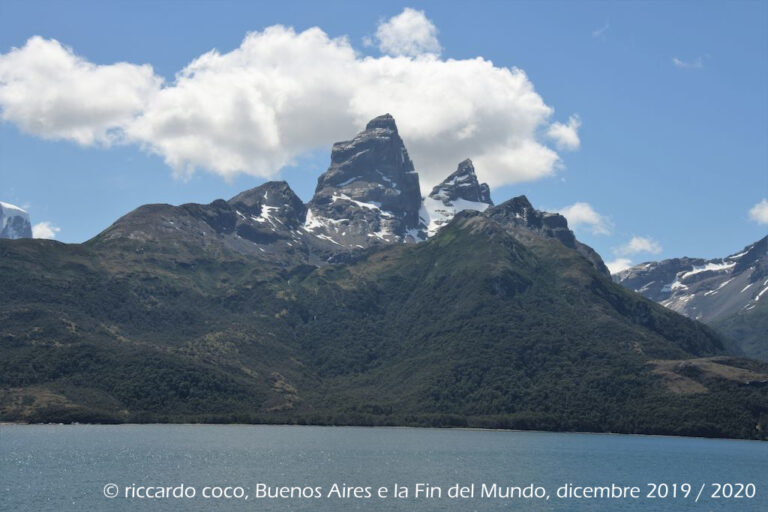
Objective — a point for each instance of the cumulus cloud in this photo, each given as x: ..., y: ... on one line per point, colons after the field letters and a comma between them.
x: 639, y: 244
x: 566, y: 136
x: 256, y: 108
x: 759, y: 212
x: 582, y: 214
x: 697, y: 63
x: 45, y: 229
x: 410, y: 33
x: 617, y: 265
x: 47, y: 90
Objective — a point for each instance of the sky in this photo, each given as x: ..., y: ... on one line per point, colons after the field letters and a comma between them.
x: 644, y: 123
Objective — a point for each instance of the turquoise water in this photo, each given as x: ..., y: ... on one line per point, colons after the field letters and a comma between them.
x: 65, y: 468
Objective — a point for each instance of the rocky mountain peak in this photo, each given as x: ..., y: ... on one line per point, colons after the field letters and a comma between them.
x: 463, y: 184
x: 458, y: 192
x: 755, y: 255
x: 384, y: 122
x: 518, y: 212
x: 273, y: 201
x: 14, y: 222
x: 370, y: 193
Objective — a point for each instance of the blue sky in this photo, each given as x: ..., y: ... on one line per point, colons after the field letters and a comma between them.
x: 671, y: 103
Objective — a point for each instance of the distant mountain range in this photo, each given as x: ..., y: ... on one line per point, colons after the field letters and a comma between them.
x: 369, y: 305
x: 728, y: 293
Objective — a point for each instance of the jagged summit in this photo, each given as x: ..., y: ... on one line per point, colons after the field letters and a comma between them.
x: 384, y: 122
x: 272, y: 202
x: 463, y: 184
x: 14, y: 222
x: 518, y: 212
x: 459, y: 191
x: 370, y: 193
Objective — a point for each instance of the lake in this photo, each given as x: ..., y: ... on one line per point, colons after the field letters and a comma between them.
x: 286, y: 468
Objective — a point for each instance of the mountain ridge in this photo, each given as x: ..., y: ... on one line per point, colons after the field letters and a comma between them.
x: 730, y: 293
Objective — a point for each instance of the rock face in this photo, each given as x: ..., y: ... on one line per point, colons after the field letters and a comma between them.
x: 370, y: 193
x: 706, y: 290
x: 459, y: 191
x: 274, y: 204
x: 14, y: 222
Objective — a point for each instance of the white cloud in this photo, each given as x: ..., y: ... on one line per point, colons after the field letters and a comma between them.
x: 45, y: 229
x: 697, y: 63
x: 280, y: 94
x: 639, y: 244
x: 48, y: 91
x: 410, y: 34
x: 566, y: 136
x: 582, y: 214
x: 759, y: 212
x: 618, y: 265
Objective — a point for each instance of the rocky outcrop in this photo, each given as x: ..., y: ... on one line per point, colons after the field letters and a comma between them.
x: 370, y: 193
x: 459, y: 191
x: 520, y: 213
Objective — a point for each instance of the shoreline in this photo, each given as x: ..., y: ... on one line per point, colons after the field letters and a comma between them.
x: 391, y: 427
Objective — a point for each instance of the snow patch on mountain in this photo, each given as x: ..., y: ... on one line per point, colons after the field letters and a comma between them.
x: 707, y: 290
x: 438, y: 211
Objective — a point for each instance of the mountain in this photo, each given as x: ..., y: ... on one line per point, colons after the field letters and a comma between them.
x: 459, y: 191
x: 14, y: 222
x: 370, y: 194
x: 266, y: 222
x: 729, y: 293
x: 252, y: 310
x: 519, y: 213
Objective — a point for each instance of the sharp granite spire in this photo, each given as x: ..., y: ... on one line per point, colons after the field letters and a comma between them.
x: 370, y: 193
x: 459, y: 191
